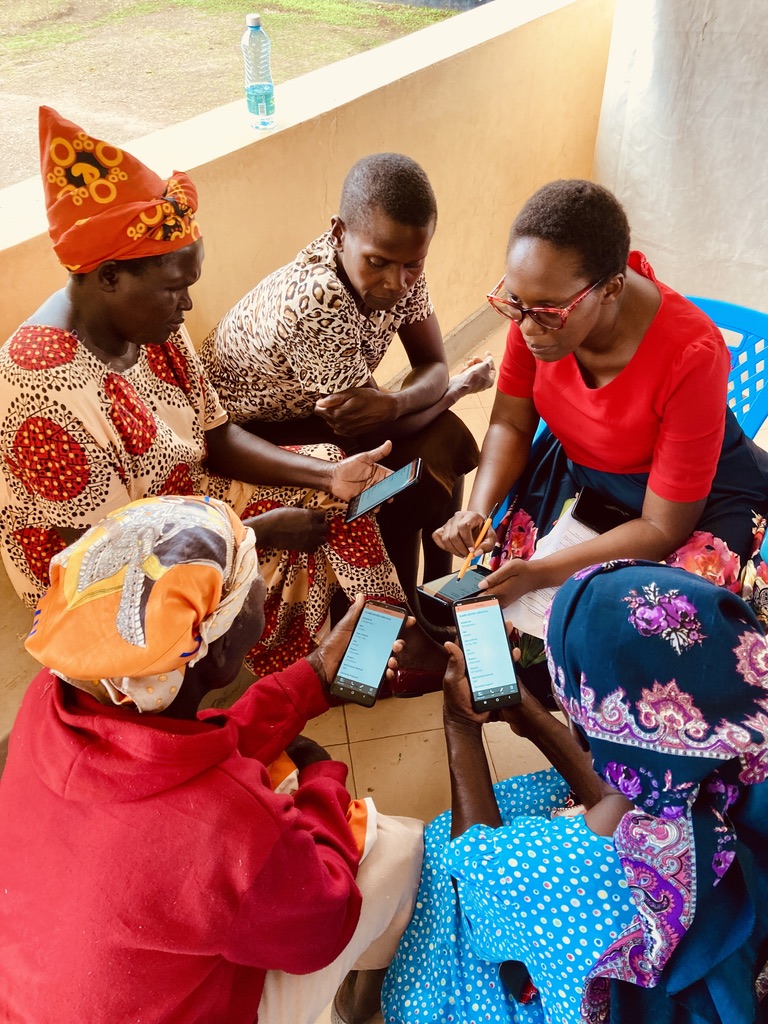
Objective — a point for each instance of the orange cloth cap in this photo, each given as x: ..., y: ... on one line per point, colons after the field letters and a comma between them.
x: 104, y: 204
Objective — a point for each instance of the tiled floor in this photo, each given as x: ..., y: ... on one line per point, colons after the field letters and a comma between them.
x: 395, y: 750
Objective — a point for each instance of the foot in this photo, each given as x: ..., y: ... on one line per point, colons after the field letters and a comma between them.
x: 477, y: 375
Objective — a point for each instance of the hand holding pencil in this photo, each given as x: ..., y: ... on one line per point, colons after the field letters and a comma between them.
x: 478, y: 540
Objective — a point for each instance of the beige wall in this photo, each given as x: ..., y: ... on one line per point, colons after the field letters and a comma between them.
x: 491, y: 108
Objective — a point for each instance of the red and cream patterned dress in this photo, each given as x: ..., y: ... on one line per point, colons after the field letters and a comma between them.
x: 79, y: 439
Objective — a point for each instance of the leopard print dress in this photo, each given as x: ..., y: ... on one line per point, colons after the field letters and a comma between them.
x: 298, y: 336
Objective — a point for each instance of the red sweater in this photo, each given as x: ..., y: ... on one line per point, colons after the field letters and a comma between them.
x: 149, y: 874
x: 664, y: 414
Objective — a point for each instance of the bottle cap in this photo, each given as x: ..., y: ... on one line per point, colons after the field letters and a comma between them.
x: 253, y: 20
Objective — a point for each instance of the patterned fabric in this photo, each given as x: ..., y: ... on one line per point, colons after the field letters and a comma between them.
x: 540, y: 889
x: 725, y: 547
x: 674, y: 703
x: 667, y: 675
x: 298, y: 336
x: 79, y: 440
x: 104, y: 204
x: 141, y: 596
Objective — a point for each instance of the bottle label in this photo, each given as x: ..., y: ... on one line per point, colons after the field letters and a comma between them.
x: 261, y: 99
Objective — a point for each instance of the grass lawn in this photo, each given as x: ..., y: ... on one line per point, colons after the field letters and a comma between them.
x: 305, y: 34
x: 125, y: 68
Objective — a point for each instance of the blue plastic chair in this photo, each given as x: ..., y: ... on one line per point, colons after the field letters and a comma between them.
x: 746, y: 333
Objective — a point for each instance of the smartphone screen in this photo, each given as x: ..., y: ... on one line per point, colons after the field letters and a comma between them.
x: 451, y: 589
x: 385, y: 489
x: 490, y: 668
x: 365, y: 661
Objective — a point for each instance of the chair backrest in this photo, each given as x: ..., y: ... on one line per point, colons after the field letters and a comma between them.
x: 746, y: 333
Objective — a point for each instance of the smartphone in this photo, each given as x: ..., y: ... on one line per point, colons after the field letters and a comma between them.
x: 382, y: 491
x: 364, y: 664
x: 483, y: 638
x: 449, y: 589
x: 598, y: 513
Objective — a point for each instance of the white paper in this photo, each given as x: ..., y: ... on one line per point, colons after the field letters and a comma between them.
x: 527, y: 613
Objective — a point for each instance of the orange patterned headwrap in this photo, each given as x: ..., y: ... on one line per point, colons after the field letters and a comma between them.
x: 142, y: 595
x: 104, y: 204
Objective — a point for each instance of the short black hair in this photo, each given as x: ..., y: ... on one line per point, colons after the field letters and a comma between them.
x: 392, y: 183
x: 576, y: 214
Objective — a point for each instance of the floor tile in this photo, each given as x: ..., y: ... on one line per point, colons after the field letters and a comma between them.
x: 469, y: 402
x: 477, y: 421
x: 404, y: 774
x: 330, y: 728
x: 511, y: 754
x: 395, y: 717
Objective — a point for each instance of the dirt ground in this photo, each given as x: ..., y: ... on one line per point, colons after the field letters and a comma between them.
x: 122, y: 76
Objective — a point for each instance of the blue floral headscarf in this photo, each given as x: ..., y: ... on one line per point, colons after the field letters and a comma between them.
x: 666, y: 675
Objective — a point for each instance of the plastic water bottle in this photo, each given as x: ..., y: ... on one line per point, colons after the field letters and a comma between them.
x: 259, y: 89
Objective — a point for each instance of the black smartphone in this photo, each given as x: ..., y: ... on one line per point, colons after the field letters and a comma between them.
x: 483, y: 638
x: 598, y: 513
x: 382, y: 491
x: 362, y: 668
x: 449, y: 589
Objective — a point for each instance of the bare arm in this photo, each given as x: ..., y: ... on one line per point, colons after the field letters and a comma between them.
x: 478, y: 374
x: 472, y: 798
x: 234, y: 452
x: 558, y: 744
x: 503, y: 458
x: 473, y: 801
x: 428, y: 379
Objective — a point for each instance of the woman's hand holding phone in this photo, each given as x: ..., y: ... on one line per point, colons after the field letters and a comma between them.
x: 457, y: 696
x: 328, y: 657
x: 367, y: 660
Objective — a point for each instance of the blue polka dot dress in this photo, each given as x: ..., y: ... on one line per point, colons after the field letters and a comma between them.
x: 545, y: 891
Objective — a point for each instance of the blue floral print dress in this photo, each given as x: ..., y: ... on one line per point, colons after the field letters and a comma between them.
x: 666, y: 675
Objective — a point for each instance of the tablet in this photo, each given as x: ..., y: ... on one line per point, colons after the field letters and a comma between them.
x: 382, y: 491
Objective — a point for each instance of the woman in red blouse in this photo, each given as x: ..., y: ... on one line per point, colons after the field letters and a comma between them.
x: 630, y: 378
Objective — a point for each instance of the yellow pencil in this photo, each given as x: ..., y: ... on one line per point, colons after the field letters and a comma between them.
x: 478, y: 540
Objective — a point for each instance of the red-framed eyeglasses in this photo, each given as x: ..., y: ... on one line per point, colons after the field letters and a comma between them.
x: 553, y: 318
